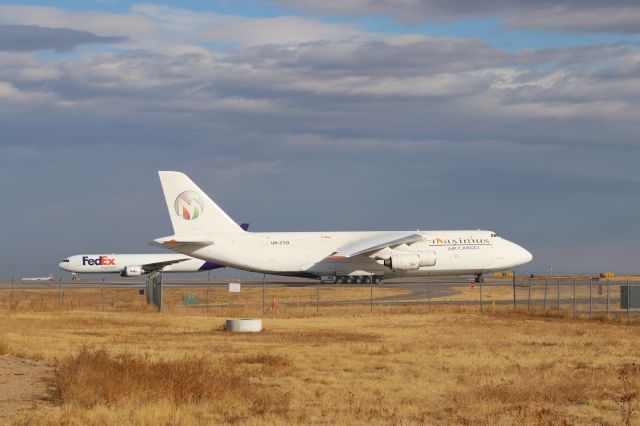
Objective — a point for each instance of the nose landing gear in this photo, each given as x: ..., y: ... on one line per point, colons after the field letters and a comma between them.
x: 479, y: 279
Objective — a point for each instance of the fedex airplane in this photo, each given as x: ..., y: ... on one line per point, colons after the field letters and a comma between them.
x: 133, y: 265
x: 203, y: 230
x: 49, y: 278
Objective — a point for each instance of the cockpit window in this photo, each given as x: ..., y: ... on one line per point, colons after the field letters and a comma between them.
x: 494, y: 235
x: 66, y: 260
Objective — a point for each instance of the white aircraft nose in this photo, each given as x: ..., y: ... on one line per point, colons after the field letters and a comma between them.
x: 512, y: 255
x: 518, y: 255
x: 523, y: 255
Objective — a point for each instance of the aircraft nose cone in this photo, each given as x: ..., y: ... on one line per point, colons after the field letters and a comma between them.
x: 522, y: 255
x: 511, y: 255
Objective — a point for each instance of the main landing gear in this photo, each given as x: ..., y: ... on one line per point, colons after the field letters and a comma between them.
x: 358, y: 279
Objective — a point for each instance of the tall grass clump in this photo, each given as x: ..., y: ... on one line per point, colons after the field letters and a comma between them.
x: 96, y: 377
x: 4, y: 348
x: 629, y: 398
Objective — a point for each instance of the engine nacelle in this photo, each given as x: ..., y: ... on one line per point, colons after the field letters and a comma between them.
x: 411, y: 261
x: 131, y: 271
x: 427, y: 258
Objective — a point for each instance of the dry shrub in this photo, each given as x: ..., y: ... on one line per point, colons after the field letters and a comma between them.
x: 468, y: 411
x: 560, y: 387
x: 324, y: 336
x: 4, y: 348
x: 566, y: 314
x: 629, y: 398
x: 366, y: 349
x: 313, y: 337
x: 268, y: 364
x: 95, y: 377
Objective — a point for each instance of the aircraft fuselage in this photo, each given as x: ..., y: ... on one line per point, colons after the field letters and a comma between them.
x: 308, y: 253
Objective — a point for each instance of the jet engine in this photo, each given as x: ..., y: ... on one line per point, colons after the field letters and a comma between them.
x: 131, y: 271
x: 410, y: 261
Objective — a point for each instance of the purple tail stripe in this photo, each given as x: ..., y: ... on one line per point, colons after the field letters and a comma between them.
x: 207, y: 266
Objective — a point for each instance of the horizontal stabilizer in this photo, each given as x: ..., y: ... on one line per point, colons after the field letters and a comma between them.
x: 184, y: 239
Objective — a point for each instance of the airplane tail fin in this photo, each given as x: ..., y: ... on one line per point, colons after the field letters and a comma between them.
x: 191, y: 210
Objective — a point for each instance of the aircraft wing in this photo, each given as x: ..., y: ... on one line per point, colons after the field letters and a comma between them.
x: 376, y: 243
x: 156, y: 266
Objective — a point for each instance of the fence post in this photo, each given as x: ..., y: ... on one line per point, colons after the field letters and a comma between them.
x: 480, y: 284
x: 160, y: 294
x: 558, y: 293
x: 608, y: 286
x: 60, y: 293
x: 318, y: 296
x: 514, y: 290
x: 429, y: 292
x: 263, y: 280
x: 207, y: 300
x: 590, y: 299
x: 208, y: 286
x: 102, y: 294
x: 574, y: 298
x: 371, y: 308
x: 11, y: 297
x: 544, y: 303
x: 529, y: 297
x: 628, y: 303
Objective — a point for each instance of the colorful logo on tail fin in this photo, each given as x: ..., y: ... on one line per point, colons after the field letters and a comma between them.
x: 189, y: 205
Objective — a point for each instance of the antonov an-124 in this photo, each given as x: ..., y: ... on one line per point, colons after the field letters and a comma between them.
x: 203, y: 230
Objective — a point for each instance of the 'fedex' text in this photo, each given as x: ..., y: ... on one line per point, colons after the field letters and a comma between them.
x: 102, y: 260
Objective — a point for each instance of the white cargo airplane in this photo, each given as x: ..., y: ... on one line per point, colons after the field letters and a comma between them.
x: 49, y: 278
x: 133, y: 265
x: 204, y: 230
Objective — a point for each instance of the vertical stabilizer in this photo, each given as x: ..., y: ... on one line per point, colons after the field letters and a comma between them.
x: 191, y: 210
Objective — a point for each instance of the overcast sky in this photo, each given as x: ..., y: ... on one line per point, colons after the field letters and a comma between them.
x: 520, y: 117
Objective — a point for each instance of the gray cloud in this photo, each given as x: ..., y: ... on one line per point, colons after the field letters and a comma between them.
x: 540, y: 145
x: 621, y: 16
x: 25, y: 38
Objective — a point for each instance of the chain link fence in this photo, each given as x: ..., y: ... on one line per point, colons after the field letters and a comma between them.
x: 576, y: 296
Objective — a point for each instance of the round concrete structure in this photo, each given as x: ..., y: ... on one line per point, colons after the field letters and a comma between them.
x: 244, y: 325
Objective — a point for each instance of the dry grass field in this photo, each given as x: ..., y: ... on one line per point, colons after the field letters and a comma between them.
x: 397, y: 365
